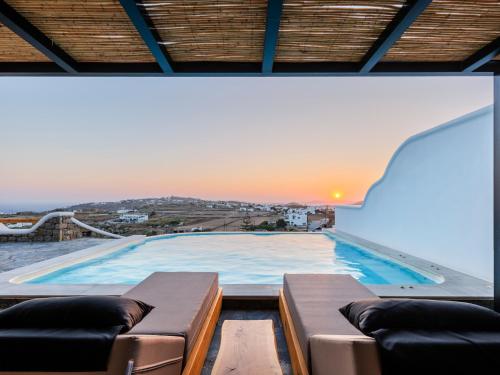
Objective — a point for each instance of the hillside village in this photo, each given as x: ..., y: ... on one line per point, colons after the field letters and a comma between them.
x: 155, y: 216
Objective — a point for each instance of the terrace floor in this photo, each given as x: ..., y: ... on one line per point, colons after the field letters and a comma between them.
x: 18, y: 254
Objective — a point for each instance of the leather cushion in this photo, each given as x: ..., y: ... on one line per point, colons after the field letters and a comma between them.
x: 372, y: 314
x: 75, y: 312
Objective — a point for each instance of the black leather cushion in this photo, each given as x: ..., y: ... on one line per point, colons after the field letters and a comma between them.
x: 56, y: 349
x: 75, y: 312
x: 373, y: 314
x: 439, y: 352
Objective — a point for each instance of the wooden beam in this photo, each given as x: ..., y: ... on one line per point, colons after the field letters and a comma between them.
x: 151, y: 38
x: 483, y: 56
x: 247, y: 347
x: 403, y: 20
x: 274, y: 10
x: 23, y: 28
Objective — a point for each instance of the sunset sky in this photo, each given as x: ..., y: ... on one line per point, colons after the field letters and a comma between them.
x: 69, y: 140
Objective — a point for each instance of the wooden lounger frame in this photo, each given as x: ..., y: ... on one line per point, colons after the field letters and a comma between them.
x: 299, y: 365
x: 196, y: 358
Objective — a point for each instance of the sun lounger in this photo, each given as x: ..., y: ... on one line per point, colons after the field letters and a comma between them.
x: 172, y: 339
x: 187, y: 304
x: 320, y: 339
x: 370, y: 335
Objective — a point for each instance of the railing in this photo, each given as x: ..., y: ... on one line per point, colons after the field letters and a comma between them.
x: 4, y: 230
x: 93, y: 229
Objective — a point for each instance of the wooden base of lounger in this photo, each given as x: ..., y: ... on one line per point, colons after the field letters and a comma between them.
x: 299, y: 365
x: 196, y: 359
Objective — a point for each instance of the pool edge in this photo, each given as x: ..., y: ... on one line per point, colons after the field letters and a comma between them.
x: 455, y: 284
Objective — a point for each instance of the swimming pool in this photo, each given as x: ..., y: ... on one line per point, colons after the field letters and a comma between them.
x: 240, y: 258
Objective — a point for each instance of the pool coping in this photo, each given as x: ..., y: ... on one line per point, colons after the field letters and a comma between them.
x: 456, y: 285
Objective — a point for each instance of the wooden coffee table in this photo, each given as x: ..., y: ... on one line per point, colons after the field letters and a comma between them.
x: 248, y: 347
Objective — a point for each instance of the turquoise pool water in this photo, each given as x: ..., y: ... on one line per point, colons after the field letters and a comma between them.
x: 259, y: 258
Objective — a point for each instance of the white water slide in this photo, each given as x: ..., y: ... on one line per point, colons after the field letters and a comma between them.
x: 10, y: 231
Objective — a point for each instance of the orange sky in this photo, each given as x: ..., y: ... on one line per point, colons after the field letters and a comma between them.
x: 254, y: 139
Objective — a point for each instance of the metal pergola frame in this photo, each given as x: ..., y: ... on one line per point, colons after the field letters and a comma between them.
x: 62, y: 64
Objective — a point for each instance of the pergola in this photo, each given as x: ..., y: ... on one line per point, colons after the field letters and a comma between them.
x: 252, y: 37
x: 176, y: 38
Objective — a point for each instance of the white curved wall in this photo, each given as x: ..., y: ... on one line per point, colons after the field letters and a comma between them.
x: 435, y: 200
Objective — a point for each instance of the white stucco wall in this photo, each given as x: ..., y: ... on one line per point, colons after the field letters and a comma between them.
x: 435, y: 200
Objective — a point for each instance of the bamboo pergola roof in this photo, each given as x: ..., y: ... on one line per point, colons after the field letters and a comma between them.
x: 249, y: 37
x: 331, y: 31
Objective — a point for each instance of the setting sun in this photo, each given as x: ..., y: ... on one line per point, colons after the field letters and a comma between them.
x: 337, y: 195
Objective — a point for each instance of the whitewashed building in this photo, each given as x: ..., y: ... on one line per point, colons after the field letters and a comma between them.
x: 134, y: 218
x: 296, y: 217
x: 265, y: 208
x: 246, y: 209
x: 316, y: 224
x: 19, y: 225
x: 311, y: 209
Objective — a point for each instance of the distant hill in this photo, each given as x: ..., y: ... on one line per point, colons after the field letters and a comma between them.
x: 134, y: 204
x: 156, y: 203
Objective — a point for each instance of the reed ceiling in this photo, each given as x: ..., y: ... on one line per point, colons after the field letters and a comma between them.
x: 224, y: 30
x: 449, y: 30
x: 14, y: 49
x: 332, y: 30
x: 88, y: 30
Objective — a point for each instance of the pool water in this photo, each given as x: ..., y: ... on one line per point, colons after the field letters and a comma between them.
x: 257, y: 258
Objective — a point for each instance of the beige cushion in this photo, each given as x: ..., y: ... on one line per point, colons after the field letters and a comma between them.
x: 314, y: 301
x: 344, y: 355
x: 182, y: 301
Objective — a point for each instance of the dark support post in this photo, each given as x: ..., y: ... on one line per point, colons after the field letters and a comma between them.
x: 19, y: 25
x: 274, y: 9
x: 403, y: 20
x: 148, y: 34
x: 496, y: 190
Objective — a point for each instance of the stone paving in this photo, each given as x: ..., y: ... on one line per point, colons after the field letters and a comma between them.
x: 19, y: 254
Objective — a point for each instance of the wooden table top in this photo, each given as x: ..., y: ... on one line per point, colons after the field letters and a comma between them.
x: 248, y: 347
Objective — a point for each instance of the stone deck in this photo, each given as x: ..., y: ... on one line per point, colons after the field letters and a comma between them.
x: 18, y: 254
